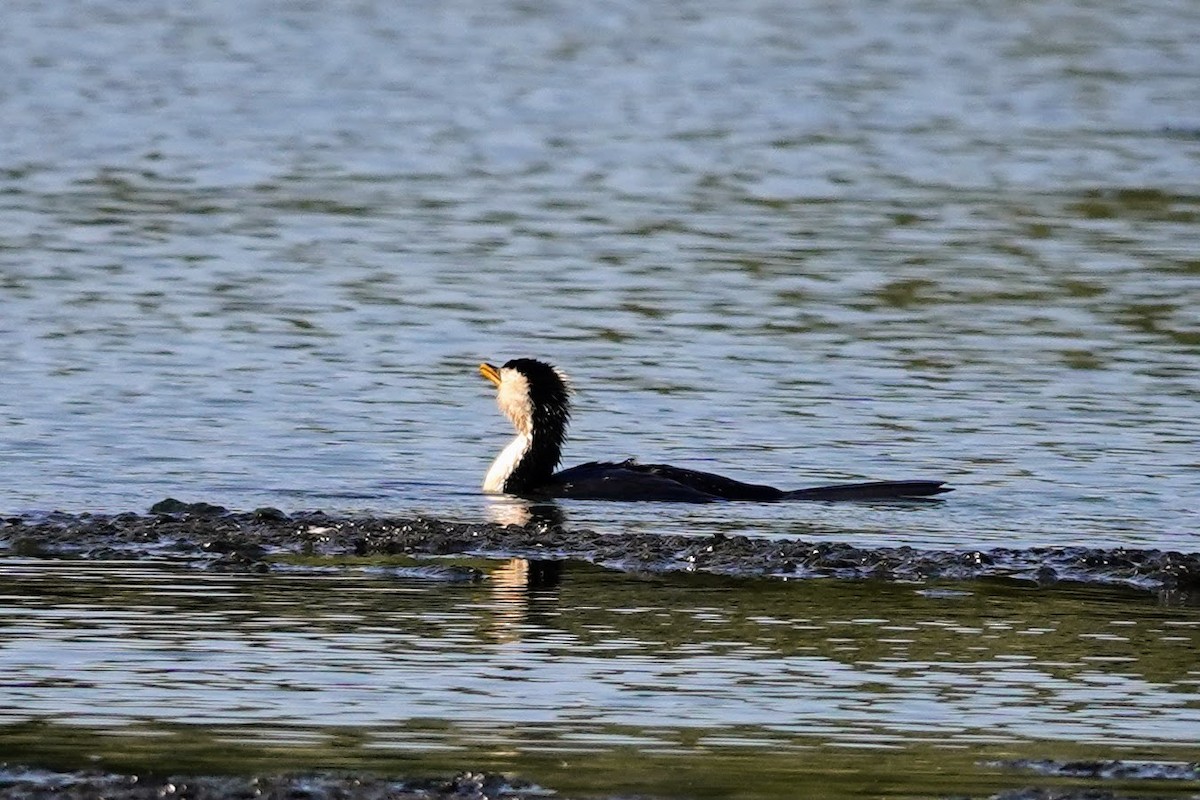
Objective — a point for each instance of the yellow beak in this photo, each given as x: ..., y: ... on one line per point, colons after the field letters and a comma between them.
x: 490, y: 372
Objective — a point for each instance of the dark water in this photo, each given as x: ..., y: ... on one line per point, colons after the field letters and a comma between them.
x: 251, y: 253
x: 594, y: 681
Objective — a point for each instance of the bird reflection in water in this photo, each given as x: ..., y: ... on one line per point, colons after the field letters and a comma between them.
x: 523, y: 590
x: 524, y: 594
x: 507, y: 510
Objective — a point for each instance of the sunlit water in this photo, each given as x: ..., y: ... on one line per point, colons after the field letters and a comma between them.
x: 129, y: 664
x: 251, y: 253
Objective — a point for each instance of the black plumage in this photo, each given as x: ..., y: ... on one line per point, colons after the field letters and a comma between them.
x: 535, y: 396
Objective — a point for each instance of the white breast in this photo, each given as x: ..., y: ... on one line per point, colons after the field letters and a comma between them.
x: 505, y: 463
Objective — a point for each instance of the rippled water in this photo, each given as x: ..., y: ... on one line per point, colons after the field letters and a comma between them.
x: 746, y: 685
x: 251, y: 253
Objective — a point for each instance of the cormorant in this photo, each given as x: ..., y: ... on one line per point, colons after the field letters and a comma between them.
x: 536, y: 398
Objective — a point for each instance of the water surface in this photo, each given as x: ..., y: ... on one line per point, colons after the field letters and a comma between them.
x: 250, y: 253
x: 587, y: 681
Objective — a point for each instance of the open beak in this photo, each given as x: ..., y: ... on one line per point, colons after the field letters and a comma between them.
x: 490, y: 372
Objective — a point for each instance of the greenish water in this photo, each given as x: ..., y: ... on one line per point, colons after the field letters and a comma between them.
x: 594, y: 683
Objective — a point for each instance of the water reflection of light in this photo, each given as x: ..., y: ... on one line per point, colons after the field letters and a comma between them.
x: 508, y: 510
x: 513, y: 585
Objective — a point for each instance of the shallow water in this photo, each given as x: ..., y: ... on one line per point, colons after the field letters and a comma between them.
x: 747, y: 687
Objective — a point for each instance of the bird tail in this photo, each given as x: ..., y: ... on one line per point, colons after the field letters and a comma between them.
x: 875, y: 490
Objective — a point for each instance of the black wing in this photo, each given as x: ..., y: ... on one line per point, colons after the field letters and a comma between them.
x: 631, y: 481
x: 708, y: 483
x: 603, y: 480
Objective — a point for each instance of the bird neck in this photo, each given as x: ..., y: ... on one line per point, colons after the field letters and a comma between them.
x: 529, y: 459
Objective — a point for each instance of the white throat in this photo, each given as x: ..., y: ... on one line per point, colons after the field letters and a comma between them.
x: 505, y: 463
